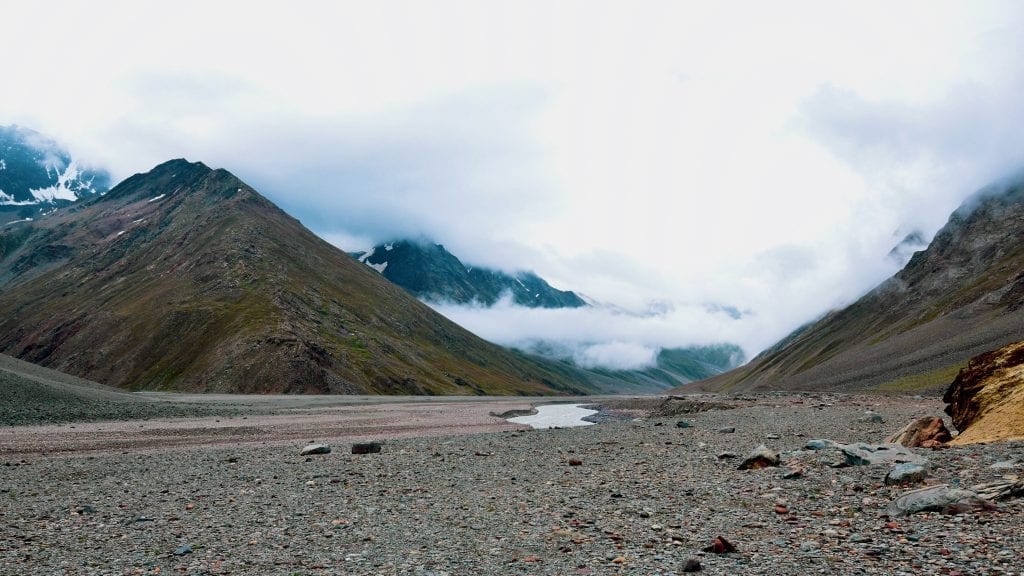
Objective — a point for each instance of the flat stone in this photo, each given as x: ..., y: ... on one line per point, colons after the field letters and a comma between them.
x: 727, y: 430
x: 315, y: 449
x: 939, y: 498
x: 183, y: 550
x: 861, y: 454
x: 819, y: 444
x: 1005, y: 465
x: 683, y: 424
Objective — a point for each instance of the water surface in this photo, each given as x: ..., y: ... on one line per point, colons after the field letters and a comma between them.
x: 556, y: 415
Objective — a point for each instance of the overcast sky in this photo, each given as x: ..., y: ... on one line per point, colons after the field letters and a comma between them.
x: 660, y: 156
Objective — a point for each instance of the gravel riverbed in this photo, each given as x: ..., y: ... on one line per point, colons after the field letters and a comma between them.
x: 634, y: 497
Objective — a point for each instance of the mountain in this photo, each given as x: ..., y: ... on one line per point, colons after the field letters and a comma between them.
x: 37, y: 175
x: 959, y: 297
x: 185, y: 278
x: 910, y: 245
x: 430, y: 272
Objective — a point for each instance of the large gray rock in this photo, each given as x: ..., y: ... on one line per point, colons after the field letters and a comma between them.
x: 861, y: 454
x: 315, y: 449
x: 819, y: 444
x: 906, y: 474
x: 871, y: 417
x: 940, y: 498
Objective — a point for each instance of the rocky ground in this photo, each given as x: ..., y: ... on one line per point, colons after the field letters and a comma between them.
x: 629, y: 497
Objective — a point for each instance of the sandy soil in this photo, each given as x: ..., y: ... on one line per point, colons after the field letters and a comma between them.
x: 299, y: 419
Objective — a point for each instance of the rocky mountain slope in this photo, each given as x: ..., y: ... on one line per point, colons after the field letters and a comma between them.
x: 185, y: 278
x: 986, y: 401
x: 961, y: 296
x: 37, y: 175
x: 432, y: 273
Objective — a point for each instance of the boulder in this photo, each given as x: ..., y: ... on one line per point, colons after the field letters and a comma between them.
x: 906, y: 474
x: 861, y: 454
x: 939, y: 498
x: 986, y: 400
x: 819, y: 444
x: 871, y: 417
x: 761, y: 457
x: 315, y: 449
x: 923, y: 432
x: 366, y: 448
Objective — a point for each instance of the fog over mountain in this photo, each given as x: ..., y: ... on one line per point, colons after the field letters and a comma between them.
x: 636, y: 154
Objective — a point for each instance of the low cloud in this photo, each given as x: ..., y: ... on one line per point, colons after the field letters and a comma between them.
x: 608, y: 336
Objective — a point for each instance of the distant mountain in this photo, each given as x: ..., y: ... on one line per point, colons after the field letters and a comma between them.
x: 959, y: 297
x: 37, y: 175
x: 185, y: 278
x: 677, y: 366
x: 905, y: 250
x: 431, y: 273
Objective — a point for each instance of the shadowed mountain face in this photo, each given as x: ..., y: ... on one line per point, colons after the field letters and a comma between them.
x: 960, y: 297
x: 185, y: 278
x: 430, y: 272
x: 37, y: 175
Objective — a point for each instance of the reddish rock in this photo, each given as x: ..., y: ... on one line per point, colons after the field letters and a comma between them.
x: 720, y: 546
x: 930, y: 429
x: 575, y: 462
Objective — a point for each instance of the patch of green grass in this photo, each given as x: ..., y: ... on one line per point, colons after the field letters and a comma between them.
x: 922, y: 381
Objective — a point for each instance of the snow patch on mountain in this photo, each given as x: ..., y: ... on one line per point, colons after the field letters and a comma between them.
x: 68, y: 184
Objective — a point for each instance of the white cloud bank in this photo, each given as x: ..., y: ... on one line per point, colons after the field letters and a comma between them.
x: 761, y: 155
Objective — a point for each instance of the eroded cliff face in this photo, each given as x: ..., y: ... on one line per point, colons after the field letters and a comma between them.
x: 986, y: 401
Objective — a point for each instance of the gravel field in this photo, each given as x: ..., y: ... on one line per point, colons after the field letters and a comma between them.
x: 633, y: 497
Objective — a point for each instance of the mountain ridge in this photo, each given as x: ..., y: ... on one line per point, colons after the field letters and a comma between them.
x: 430, y: 272
x: 959, y: 297
x: 186, y: 278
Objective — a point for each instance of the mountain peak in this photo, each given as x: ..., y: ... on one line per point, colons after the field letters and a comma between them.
x: 38, y: 175
x: 429, y: 271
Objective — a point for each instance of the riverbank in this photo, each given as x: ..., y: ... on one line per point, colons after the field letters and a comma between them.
x: 620, y: 498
